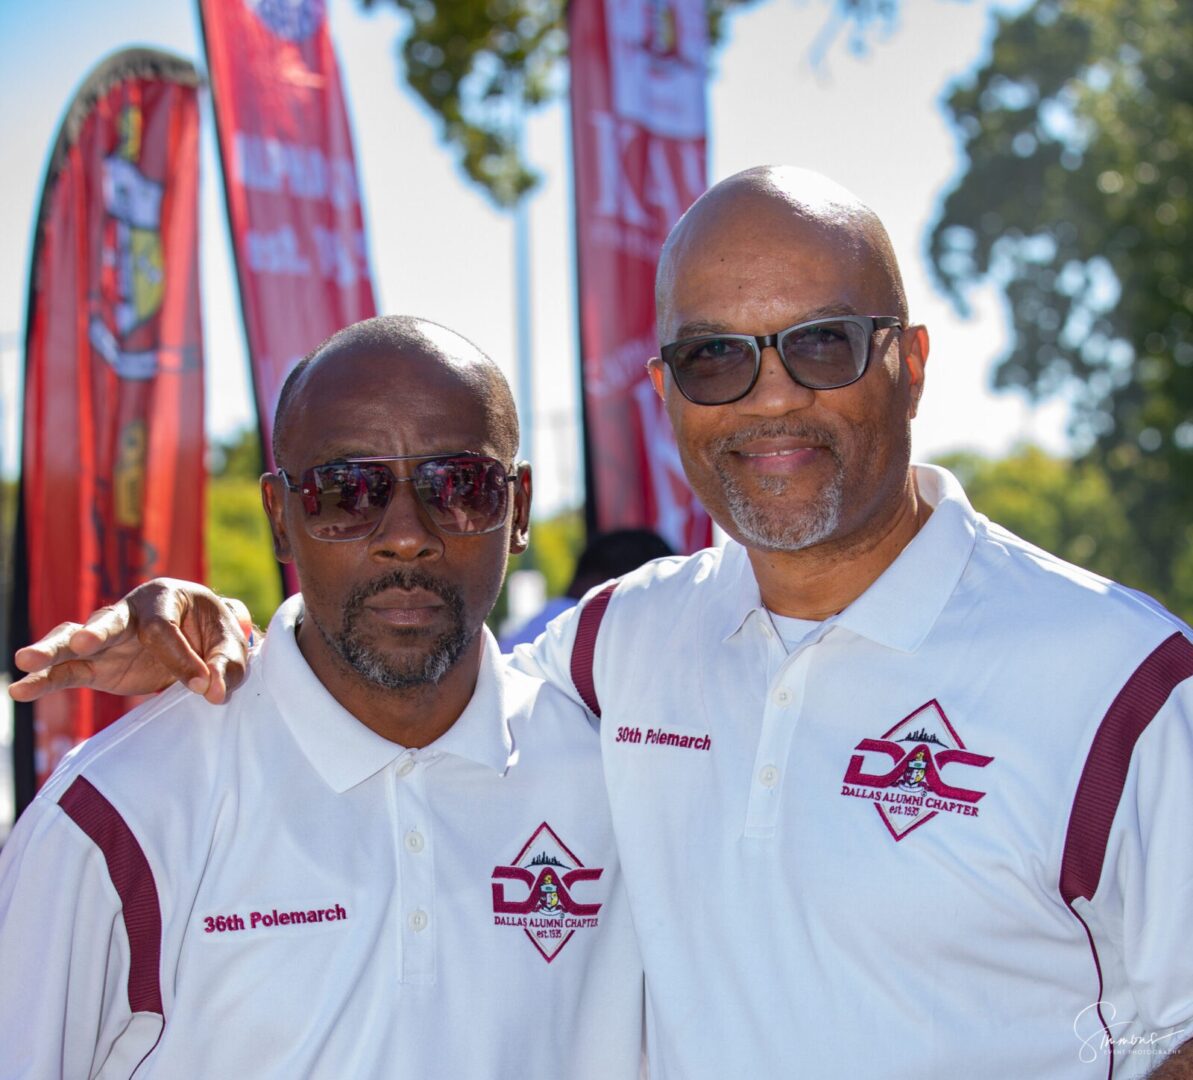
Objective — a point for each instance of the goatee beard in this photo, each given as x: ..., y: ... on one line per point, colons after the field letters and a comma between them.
x: 763, y: 525
x: 390, y: 672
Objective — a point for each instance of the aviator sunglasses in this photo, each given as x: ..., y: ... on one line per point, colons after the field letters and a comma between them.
x: 823, y: 354
x: 462, y: 493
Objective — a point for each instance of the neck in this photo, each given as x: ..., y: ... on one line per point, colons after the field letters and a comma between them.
x: 817, y: 582
x: 413, y: 717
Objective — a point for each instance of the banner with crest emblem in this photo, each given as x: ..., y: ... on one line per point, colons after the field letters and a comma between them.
x: 290, y: 183
x: 112, y: 480
x: 638, y: 144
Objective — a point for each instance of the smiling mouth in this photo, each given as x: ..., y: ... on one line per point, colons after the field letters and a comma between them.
x: 779, y: 461
x: 776, y: 453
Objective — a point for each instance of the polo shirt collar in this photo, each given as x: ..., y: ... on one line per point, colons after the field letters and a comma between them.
x: 482, y: 731
x: 901, y: 607
x: 737, y: 584
x: 342, y: 750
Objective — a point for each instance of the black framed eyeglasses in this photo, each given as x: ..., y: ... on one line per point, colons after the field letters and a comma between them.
x: 462, y: 493
x: 823, y: 354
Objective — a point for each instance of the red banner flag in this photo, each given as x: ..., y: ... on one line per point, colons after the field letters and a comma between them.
x: 112, y: 473
x: 290, y: 183
x: 638, y: 124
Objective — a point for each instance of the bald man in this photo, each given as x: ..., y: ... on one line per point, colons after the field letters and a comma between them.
x: 895, y: 793
x: 389, y: 856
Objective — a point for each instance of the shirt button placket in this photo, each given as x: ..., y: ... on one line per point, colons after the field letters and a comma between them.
x: 417, y: 870
x: 774, y: 743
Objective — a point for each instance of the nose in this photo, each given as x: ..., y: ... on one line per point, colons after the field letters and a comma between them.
x: 404, y: 533
x: 776, y: 393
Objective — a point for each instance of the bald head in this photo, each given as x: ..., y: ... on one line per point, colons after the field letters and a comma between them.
x: 773, y: 200
x: 445, y: 354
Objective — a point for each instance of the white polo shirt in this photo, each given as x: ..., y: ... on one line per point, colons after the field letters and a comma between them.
x: 270, y: 889
x: 949, y: 835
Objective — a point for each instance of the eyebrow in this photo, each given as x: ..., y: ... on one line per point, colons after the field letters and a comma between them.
x: 699, y: 328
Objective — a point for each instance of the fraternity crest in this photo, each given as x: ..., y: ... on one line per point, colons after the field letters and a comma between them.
x: 546, y: 902
x: 901, y: 773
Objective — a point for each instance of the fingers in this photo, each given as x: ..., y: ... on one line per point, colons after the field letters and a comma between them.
x: 195, y: 634
x: 227, y: 672
x: 159, y: 610
x: 71, y: 640
x: 163, y: 631
x: 51, y: 649
x: 227, y: 658
x: 102, y: 627
x: 64, y: 675
x: 168, y: 646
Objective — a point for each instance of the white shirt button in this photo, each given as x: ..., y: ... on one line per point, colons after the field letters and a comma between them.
x: 407, y: 767
x: 418, y: 920
x: 782, y: 696
x: 768, y: 776
x: 415, y: 841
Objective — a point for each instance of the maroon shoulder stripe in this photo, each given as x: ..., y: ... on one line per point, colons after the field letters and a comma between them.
x: 130, y: 873
x: 1105, y: 772
x: 584, y: 647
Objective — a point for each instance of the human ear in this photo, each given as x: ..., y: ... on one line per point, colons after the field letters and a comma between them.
x: 520, y: 531
x: 273, y: 499
x: 657, y: 371
x: 915, y: 356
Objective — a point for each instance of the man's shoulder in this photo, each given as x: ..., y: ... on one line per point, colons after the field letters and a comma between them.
x: 1052, y: 588
x: 676, y: 577
x: 173, y: 744
x: 540, y: 713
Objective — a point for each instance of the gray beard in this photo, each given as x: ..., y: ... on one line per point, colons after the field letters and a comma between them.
x: 757, y: 522
x: 385, y: 671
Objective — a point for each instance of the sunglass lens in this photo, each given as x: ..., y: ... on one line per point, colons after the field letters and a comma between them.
x: 712, y: 370
x: 463, y: 494
x: 826, y: 354
x: 344, y: 501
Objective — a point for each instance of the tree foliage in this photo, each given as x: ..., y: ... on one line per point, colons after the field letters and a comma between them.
x: 239, y: 455
x: 1062, y: 506
x: 240, y: 558
x: 1078, y: 135
x: 479, y: 65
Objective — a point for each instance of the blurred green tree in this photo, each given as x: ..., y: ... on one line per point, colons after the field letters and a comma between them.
x: 240, y: 558
x: 1065, y: 507
x: 239, y: 455
x: 555, y: 544
x: 1078, y: 139
x: 478, y: 64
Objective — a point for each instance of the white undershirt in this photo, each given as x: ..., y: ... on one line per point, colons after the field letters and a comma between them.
x: 792, y: 631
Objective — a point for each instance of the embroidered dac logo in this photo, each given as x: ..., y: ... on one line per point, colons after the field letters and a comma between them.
x: 544, y: 903
x: 912, y: 791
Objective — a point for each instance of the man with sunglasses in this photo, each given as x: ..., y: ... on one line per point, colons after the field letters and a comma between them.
x: 882, y: 775
x: 389, y: 855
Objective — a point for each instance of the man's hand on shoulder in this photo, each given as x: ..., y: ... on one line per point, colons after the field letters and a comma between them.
x: 162, y: 632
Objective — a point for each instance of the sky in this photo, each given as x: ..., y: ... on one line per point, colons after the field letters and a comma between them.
x: 874, y: 122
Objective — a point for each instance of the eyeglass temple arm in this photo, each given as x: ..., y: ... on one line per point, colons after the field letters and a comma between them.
x: 284, y: 476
